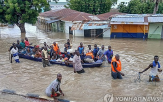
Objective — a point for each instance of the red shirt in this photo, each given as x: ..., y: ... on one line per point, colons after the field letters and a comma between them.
x: 26, y: 43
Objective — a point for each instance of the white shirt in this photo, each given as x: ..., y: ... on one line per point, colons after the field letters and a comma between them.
x: 55, y: 85
x: 14, y: 51
x: 59, y: 60
x: 154, y: 71
x: 71, y: 59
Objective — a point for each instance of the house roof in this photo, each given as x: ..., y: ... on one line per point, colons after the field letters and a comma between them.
x: 69, y: 15
x: 106, y: 16
x: 79, y: 16
x: 130, y: 19
x: 155, y: 18
x: 57, y: 13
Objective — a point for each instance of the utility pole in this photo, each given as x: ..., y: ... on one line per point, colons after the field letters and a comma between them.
x: 156, y: 7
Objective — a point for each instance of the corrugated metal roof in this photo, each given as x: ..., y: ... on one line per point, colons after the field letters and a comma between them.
x: 78, y: 26
x: 127, y: 19
x: 155, y: 19
x: 89, y: 25
x: 106, y: 16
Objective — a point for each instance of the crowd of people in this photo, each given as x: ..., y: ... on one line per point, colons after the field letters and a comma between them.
x: 53, y: 53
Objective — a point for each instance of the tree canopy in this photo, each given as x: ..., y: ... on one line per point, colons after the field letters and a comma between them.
x: 90, y: 6
x: 20, y: 12
x: 139, y: 7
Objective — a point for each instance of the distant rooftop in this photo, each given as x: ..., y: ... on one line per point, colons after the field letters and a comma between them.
x: 58, y: 3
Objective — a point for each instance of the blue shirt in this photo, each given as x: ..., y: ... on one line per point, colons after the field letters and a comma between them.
x: 109, y: 54
x: 95, y: 50
x: 80, y: 49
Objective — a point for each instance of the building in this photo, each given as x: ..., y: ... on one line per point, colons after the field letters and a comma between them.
x: 59, y: 5
x: 121, y: 1
x: 155, y: 26
x: 74, y: 22
x: 129, y: 26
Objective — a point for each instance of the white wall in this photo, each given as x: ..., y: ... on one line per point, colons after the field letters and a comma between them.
x: 107, y: 33
x: 78, y: 33
x: 67, y: 24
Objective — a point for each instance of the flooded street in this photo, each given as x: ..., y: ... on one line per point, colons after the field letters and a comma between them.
x: 92, y: 86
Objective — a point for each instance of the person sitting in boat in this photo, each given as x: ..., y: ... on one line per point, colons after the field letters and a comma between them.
x: 19, y: 46
x: 95, y: 50
x: 69, y: 59
x: 14, y: 52
x: 68, y: 43
x: 45, y: 45
x: 54, y: 57
x: 27, y: 44
x: 89, y: 58
x: 60, y: 59
x: 100, y: 54
x: 38, y: 54
x: 81, y: 51
x: 66, y: 48
x: 33, y: 52
x: 77, y: 63
x: 155, y: 68
x: 109, y: 54
x: 28, y: 52
x: 22, y: 44
x: 56, y: 49
x: 45, y: 59
x: 36, y: 47
x: 54, y: 90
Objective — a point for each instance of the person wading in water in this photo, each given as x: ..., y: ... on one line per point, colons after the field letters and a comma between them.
x: 77, y: 63
x: 155, y: 68
x: 116, y: 67
x: 54, y: 90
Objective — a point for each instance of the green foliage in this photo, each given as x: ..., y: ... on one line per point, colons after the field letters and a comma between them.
x: 21, y: 11
x: 90, y: 6
x: 2, y: 13
x: 139, y: 7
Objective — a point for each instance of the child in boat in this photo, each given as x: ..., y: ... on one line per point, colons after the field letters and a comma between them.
x: 54, y: 57
x: 66, y: 49
x: 60, y: 59
x: 28, y: 52
x: 89, y: 58
x: 95, y: 50
x: 27, y: 44
x: 38, y: 54
x: 69, y: 59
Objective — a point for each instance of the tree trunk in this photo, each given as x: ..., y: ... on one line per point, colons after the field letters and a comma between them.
x: 22, y: 29
x: 156, y: 7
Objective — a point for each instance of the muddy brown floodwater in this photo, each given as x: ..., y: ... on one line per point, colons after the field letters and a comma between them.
x: 92, y: 86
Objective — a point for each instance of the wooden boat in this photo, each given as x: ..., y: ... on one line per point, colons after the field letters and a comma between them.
x: 85, y: 65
